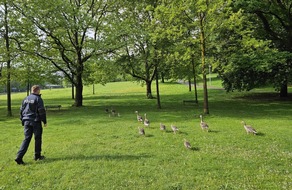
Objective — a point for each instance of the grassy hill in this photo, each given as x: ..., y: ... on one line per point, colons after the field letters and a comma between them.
x: 85, y: 148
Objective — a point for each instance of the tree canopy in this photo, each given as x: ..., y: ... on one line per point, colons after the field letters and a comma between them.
x: 248, y: 43
x: 68, y: 34
x: 258, y: 44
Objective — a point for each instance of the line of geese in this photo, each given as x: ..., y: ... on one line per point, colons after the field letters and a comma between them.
x: 204, y: 127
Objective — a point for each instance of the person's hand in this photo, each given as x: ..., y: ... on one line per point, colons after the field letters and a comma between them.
x: 45, y: 125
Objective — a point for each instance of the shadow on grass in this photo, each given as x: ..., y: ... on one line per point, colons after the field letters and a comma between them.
x: 213, y: 131
x: 195, y: 149
x: 146, y: 135
x: 177, y: 133
x: 236, y: 105
x: 96, y: 157
x: 265, y: 96
x: 168, y: 131
x: 261, y: 134
x: 181, y: 133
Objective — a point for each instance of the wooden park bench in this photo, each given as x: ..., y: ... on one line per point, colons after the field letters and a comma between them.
x: 189, y: 101
x: 53, y: 106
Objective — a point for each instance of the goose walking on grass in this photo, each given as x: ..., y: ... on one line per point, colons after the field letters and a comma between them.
x: 141, y: 131
x: 204, y: 125
x: 174, y: 129
x: 187, y: 144
x: 113, y: 111
x: 162, y: 127
x: 146, y: 121
x: 108, y: 112
x: 139, y: 117
x: 249, y: 128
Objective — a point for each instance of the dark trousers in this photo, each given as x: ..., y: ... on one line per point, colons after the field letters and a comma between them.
x: 31, y: 128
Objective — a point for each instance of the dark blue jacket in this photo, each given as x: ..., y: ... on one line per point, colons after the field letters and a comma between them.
x: 33, y: 109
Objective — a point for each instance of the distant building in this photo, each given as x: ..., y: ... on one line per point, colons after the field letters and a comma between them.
x: 51, y: 86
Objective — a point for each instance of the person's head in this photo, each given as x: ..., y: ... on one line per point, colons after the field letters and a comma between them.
x: 35, y: 89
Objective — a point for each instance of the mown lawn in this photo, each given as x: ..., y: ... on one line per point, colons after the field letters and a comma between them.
x: 87, y: 149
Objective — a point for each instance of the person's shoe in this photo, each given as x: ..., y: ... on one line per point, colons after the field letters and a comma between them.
x: 39, y: 158
x: 19, y: 161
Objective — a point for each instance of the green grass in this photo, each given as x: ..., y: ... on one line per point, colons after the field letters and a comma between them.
x: 87, y: 149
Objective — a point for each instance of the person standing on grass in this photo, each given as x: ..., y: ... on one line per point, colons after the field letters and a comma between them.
x: 32, y: 114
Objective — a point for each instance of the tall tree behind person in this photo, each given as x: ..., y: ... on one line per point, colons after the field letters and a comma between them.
x: 68, y: 35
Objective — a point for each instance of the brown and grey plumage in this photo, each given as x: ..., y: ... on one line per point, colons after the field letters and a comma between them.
x: 203, y: 124
x: 249, y: 128
x: 113, y: 111
x: 187, y: 144
x: 139, y: 117
x: 141, y: 131
x: 162, y: 127
x: 146, y: 121
x: 174, y: 128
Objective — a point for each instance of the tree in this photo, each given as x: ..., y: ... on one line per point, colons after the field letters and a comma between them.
x: 192, y: 24
x: 177, y: 40
x: 7, y: 45
x: 68, y: 34
x: 13, y: 61
x: 258, y: 39
x: 137, y: 58
x: 144, y: 56
x: 101, y: 71
x: 8, y: 52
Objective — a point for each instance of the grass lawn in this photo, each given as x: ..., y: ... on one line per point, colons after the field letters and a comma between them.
x: 87, y: 149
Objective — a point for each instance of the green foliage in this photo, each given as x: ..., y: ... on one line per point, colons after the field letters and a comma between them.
x: 102, y: 72
x: 255, y: 42
x: 68, y: 35
x: 87, y: 149
x: 247, y: 42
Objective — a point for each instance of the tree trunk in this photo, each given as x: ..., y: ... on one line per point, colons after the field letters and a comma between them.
x: 7, y: 43
x: 206, y: 104
x: 195, y: 80
x: 284, y: 90
x: 203, y: 54
x: 9, y: 110
x: 73, y: 93
x: 27, y: 87
x: 79, y: 90
x: 148, y: 90
x: 162, y: 77
x: 72, y: 88
x: 157, y: 88
x: 190, y: 85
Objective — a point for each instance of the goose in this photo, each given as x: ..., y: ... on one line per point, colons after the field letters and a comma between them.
x: 187, y: 144
x: 113, y: 112
x: 162, y: 127
x: 174, y: 129
x: 146, y: 121
x: 204, y: 125
x: 141, y: 131
x: 249, y: 128
x: 139, y: 117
